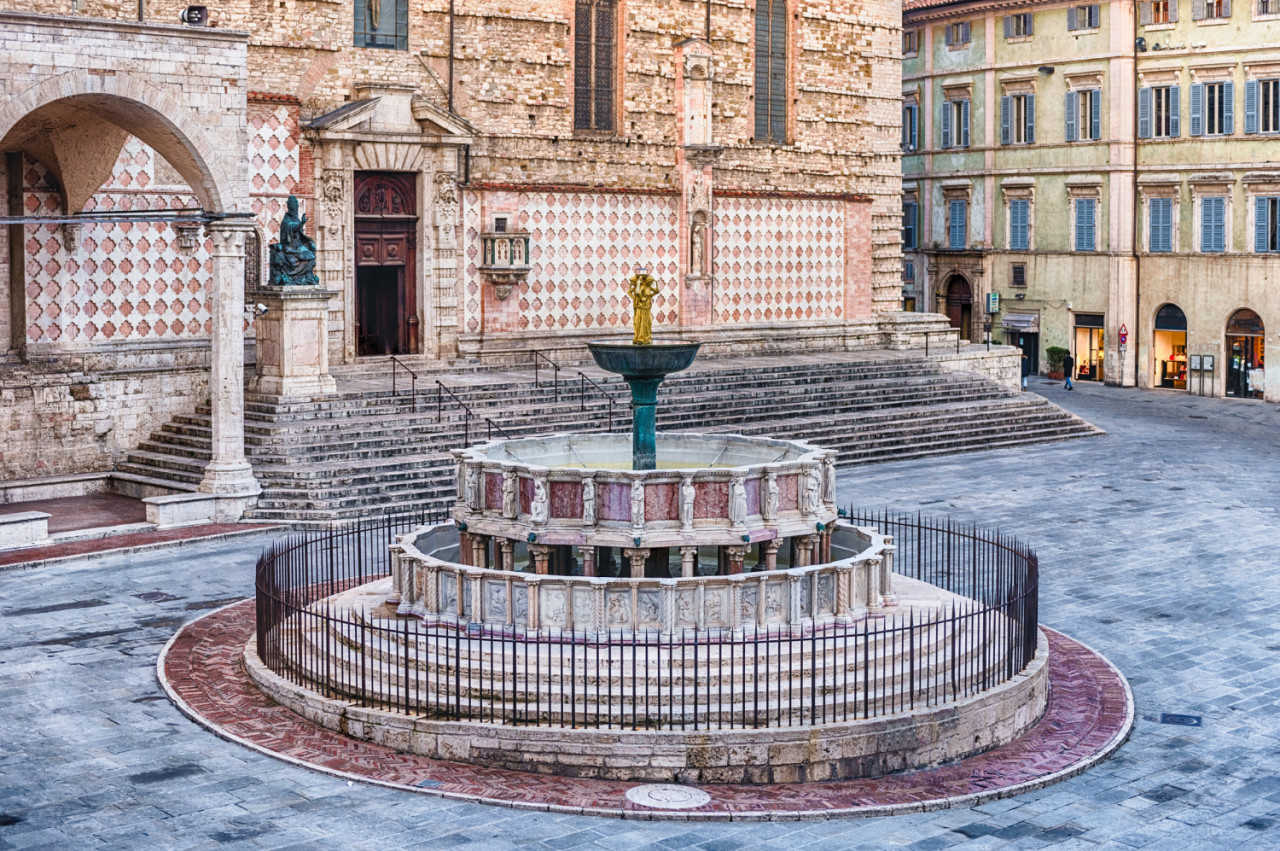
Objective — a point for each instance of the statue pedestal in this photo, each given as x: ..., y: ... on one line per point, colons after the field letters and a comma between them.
x: 293, y: 341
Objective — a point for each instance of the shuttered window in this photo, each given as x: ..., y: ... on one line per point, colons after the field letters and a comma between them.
x: 1262, y: 106
x: 1086, y: 224
x: 1212, y: 109
x: 910, y: 218
x: 1160, y: 235
x: 771, y: 70
x: 957, y: 224
x: 1019, y: 224
x: 1266, y: 225
x: 957, y: 34
x: 1017, y: 26
x: 910, y: 127
x: 1159, y: 112
x: 1084, y: 115
x: 1017, y: 119
x: 382, y: 23
x: 955, y: 124
x: 1210, y: 9
x: 594, y: 61
x: 1083, y: 17
x: 1158, y: 12
x: 1213, y: 224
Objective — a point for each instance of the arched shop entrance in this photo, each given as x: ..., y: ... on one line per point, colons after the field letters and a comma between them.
x: 1245, y: 374
x: 1169, y: 348
x: 960, y: 305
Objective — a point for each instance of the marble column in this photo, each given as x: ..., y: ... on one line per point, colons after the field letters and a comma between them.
x: 465, y: 550
x: 737, y: 556
x: 637, y: 558
x: 804, y: 551
x: 688, y: 561
x: 587, y: 555
x: 770, y: 554
x: 508, y: 550
x: 228, y: 472
x: 541, y: 554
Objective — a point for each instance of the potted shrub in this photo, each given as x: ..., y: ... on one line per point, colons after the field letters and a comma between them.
x: 1053, y: 356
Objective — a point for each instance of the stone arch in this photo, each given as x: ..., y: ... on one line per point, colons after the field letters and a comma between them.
x: 130, y: 104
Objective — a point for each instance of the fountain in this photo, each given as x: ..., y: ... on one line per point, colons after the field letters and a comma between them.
x: 643, y: 363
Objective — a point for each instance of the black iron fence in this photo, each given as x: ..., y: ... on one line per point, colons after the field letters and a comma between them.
x: 960, y: 646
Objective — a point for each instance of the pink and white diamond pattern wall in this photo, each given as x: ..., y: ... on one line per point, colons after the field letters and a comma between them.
x: 779, y: 259
x: 583, y: 247
x: 124, y: 281
x: 274, y: 146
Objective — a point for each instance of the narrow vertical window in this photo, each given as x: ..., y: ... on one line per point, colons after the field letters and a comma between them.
x: 1213, y: 225
x: 381, y: 23
x: 910, y: 217
x: 771, y: 70
x: 1019, y: 221
x: 1160, y: 239
x: 957, y: 224
x: 1266, y: 225
x: 1086, y: 230
x: 594, y: 80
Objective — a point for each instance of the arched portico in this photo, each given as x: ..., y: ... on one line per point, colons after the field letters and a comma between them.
x: 72, y: 103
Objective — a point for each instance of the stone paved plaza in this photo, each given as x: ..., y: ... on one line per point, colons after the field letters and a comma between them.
x: 1158, y: 545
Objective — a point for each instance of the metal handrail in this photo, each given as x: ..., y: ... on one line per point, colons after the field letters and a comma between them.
x: 490, y: 425
x: 956, y: 331
x: 413, y: 380
x: 584, y: 379
x: 537, y: 356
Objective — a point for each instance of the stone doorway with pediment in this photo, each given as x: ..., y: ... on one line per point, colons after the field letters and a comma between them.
x: 386, y: 296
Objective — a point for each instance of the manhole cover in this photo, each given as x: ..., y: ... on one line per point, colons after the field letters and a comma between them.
x: 667, y: 796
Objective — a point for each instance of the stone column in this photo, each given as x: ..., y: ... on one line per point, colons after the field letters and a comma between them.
x: 480, y: 550
x: 737, y: 555
x: 587, y: 555
x: 886, y: 574
x: 874, y: 602
x: 804, y: 551
x: 465, y: 552
x: 770, y: 554
x: 688, y: 561
x: 228, y: 473
x: 637, y: 558
x: 541, y: 554
x: 508, y: 549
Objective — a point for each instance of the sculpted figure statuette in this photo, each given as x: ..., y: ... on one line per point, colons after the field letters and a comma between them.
x: 589, y: 501
x: 293, y: 258
x: 770, y: 507
x: 637, y: 503
x: 642, y: 288
x: 829, y: 479
x: 686, y: 502
x: 540, y: 511
x: 737, y: 503
x: 812, y: 499
x: 510, y: 507
x: 473, y: 488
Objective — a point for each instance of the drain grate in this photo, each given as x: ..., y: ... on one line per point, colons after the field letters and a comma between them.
x: 1181, y: 720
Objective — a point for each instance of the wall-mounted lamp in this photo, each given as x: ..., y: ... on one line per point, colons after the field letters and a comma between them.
x: 1141, y: 44
x: 1045, y: 69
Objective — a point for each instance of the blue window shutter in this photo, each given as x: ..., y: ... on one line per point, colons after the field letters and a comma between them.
x: 1071, y: 19
x: 1175, y: 105
x: 963, y: 131
x: 964, y: 32
x: 1083, y: 209
x: 1197, y: 10
x: 1094, y: 15
x: 1173, y: 11
x: 1197, y: 109
x: 1031, y: 24
x: 1220, y: 225
x: 1251, y: 106
x: 946, y: 35
x: 1226, y: 8
x: 1155, y: 212
x: 1018, y: 236
x: 1095, y: 120
x: 1144, y: 112
x: 1008, y: 26
x: 1091, y: 207
x: 1031, y: 119
x: 947, y: 109
x: 1228, y: 108
x: 1073, y: 101
x: 957, y: 239
x: 1161, y: 237
x: 1260, y: 228
x: 1206, y: 224
x: 1005, y: 136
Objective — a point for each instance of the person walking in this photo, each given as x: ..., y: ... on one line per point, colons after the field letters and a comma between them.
x: 1068, y: 368
x: 1026, y: 369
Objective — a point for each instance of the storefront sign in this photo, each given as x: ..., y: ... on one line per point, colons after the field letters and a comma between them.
x: 993, y: 302
x: 1195, y: 363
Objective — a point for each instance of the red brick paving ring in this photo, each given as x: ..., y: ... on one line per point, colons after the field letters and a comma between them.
x: 1090, y: 714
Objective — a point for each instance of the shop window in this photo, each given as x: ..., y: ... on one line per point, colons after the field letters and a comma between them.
x: 910, y: 127
x: 1086, y: 215
x: 1160, y: 232
x: 957, y: 34
x: 1089, y: 350
x: 957, y: 224
x: 1084, y: 115
x: 1018, y: 119
x: 1019, y: 224
x: 1212, y: 109
x: 1017, y: 26
x: 1018, y: 274
x: 1246, y: 377
x: 1213, y: 225
x: 910, y: 225
x: 1169, y: 347
x: 1210, y: 10
x: 1158, y: 12
x: 382, y: 23
x: 1158, y: 112
x: 910, y: 42
x: 1262, y: 105
x: 955, y: 123
x: 1266, y: 225
x: 1083, y: 17
x: 771, y: 70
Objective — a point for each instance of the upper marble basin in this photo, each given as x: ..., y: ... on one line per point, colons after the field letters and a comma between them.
x: 659, y: 358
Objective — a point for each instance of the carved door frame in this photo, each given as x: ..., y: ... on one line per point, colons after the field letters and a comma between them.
x: 385, y: 207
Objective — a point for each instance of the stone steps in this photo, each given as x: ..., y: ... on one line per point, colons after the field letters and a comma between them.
x: 363, y: 452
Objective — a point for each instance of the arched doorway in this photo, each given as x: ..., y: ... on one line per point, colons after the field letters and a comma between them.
x: 960, y: 305
x: 1245, y: 375
x: 1169, y: 347
x: 386, y: 221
